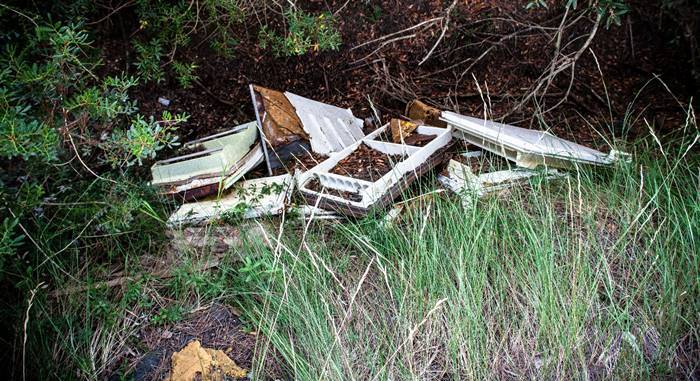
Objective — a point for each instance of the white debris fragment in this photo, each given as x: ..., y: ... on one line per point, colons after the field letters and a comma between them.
x: 527, y: 148
x: 367, y: 195
x: 330, y: 128
x: 461, y: 180
x: 164, y: 101
x: 218, y: 162
x: 251, y: 199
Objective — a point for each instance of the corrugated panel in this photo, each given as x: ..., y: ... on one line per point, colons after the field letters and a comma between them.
x: 330, y: 128
x: 516, y: 142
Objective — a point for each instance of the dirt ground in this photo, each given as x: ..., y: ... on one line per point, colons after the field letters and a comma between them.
x: 629, y: 56
x: 216, y: 327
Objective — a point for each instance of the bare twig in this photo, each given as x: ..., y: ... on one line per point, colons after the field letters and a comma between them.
x: 448, y: 13
x: 559, y: 64
x: 115, y: 10
x: 423, y: 24
x: 77, y: 154
x: 206, y: 90
x: 32, y: 294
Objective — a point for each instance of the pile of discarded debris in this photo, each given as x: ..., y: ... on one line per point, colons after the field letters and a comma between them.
x: 342, y: 165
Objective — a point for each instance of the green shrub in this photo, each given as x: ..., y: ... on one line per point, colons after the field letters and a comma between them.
x: 143, y: 139
x: 185, y: 73
x: 305, y: 32
x: 10, y: 240
x: 173, y: 23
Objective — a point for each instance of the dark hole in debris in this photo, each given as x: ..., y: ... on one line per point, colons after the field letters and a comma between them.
x: 316, y: 186
x: 307, y: 161
x: 414, y: 139
x: 484, y: 163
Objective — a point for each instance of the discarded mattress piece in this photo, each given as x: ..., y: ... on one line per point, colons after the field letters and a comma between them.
x: 251, y: 199
x: 462, y: 180
x: 293, y: 125
x: 347, y: 194
x: 527, y: 148
x: 221, y: 160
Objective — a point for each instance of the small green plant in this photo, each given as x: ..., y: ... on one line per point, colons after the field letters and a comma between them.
x: 305, y: 33
x: 611, y: 11
x: 185, y: 73
x: 23, y: 136
x: 143, y: 139
x: 257, y: 270
x: 173, y: 23
x: 234, y: 215
x: 374, y: 12
x: 167, y: 315
x: 148, y: 60
x: 9, y: 240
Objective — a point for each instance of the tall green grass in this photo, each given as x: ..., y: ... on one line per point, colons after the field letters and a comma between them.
x: 595, y: 275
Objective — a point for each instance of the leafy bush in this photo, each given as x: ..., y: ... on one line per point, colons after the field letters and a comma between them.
x: 143, y: 139
x: 174, y: 23
x: 9, y: 240
x: 148, y: 63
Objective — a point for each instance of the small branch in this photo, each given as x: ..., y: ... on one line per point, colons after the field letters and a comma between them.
x: 431, y: 21
x: 115, y: 10
x: 560, y: 64
x: 77, y: 154
x: 32, y: 294
x: 442, y: 34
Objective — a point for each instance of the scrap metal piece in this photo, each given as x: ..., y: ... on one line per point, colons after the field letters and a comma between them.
x: 417, y: 110
x: 527, y: 148
x: 252, y: 198
x: 365, y: 195
x: 401, y: 129
x: 470, y: 186
x: 222, y: 160
x: 330, y: 128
